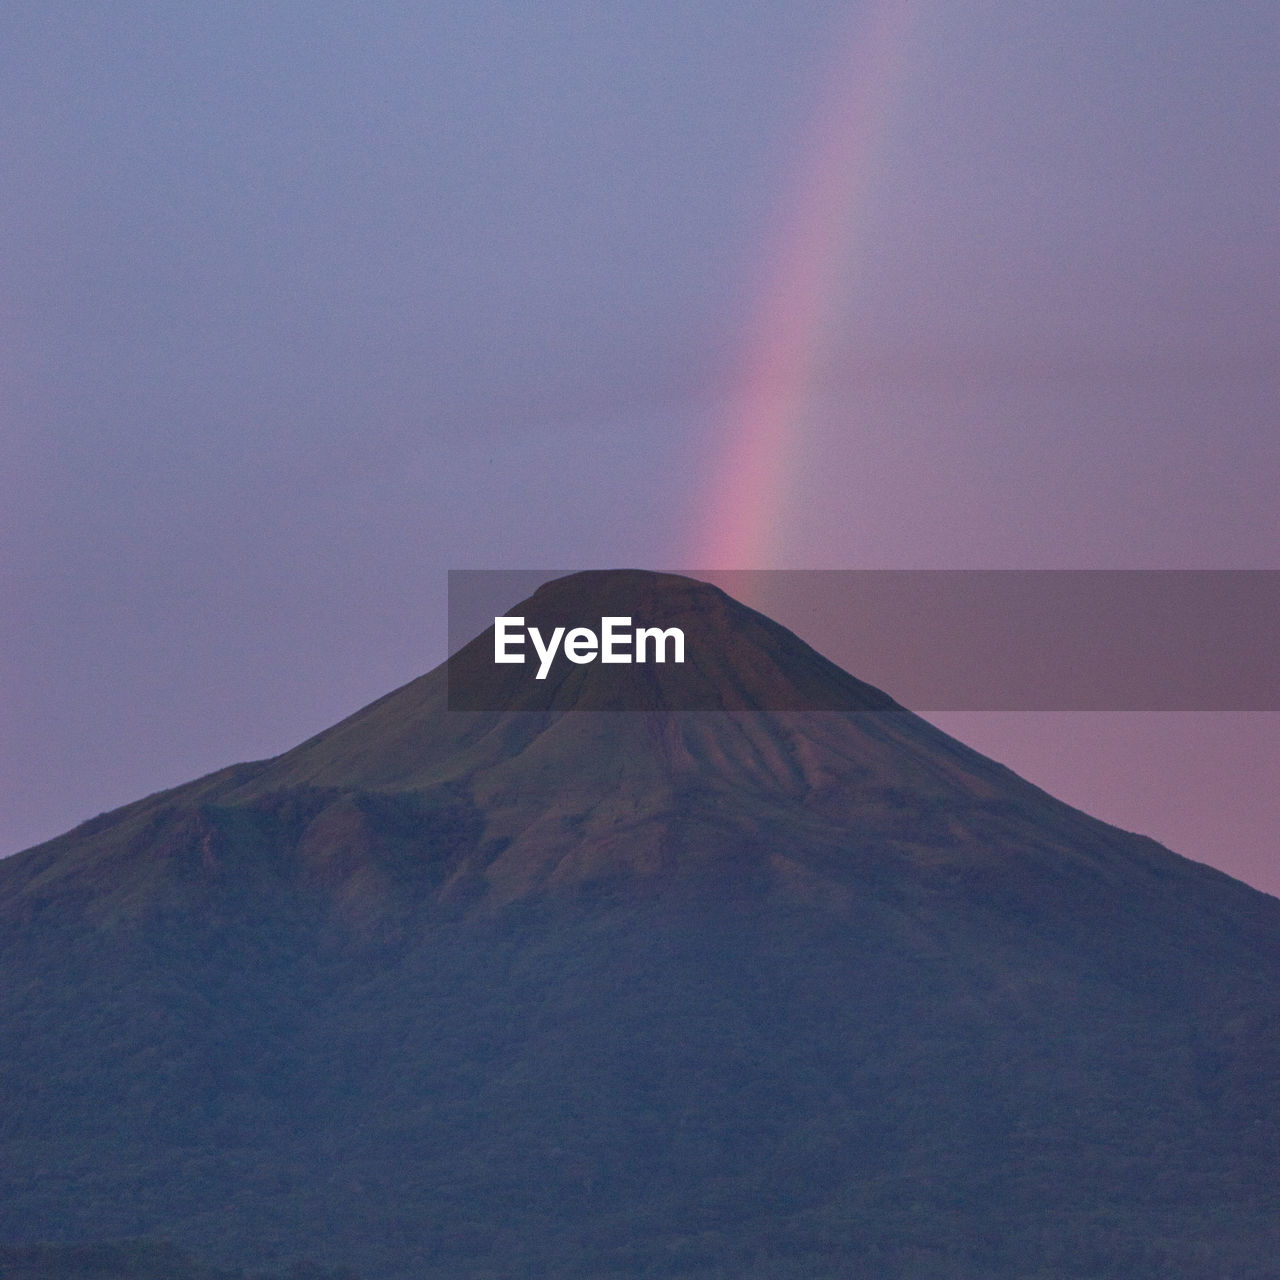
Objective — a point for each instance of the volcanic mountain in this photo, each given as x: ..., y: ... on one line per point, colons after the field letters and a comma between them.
x: 592, y: 984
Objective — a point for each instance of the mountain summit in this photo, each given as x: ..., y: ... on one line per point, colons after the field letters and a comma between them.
x: 737, y: 658
x: 595, y: 984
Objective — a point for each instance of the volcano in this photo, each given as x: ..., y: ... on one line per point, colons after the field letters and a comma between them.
x: 592, y: 984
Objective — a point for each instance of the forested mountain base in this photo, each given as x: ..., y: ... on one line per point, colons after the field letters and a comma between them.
x: 137, y: 1260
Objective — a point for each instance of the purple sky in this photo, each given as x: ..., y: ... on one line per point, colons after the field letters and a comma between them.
x: 303, y: 304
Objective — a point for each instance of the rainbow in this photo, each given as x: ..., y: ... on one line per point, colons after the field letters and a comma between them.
x: 742, y: 526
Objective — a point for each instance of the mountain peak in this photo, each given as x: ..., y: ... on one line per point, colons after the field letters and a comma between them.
x: 662, y: 774
x: 735, y: 659
x: 624, y: 588
x: 648, y: 773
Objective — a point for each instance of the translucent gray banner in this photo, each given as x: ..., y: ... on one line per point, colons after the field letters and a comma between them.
x: 934, y: 640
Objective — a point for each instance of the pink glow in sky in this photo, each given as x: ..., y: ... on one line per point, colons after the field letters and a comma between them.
x: 742, y: 524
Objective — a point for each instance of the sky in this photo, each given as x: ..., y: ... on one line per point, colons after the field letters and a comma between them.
x: 304, y: 304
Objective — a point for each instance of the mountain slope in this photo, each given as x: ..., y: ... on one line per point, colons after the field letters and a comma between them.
x: 574, y: 991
